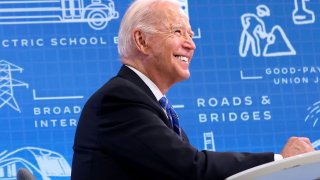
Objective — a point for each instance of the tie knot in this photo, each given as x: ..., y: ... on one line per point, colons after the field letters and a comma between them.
x: 164, y: 102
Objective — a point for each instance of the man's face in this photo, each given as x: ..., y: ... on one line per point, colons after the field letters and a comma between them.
x: 171, y: 49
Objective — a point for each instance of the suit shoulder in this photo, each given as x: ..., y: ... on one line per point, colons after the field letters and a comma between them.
x: 119, y: 86
x: 119, y: 90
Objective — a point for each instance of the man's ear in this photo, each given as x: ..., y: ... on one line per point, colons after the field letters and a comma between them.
x: 140, y: 41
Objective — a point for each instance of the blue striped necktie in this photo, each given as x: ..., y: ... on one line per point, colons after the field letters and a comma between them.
x: 172, y: 115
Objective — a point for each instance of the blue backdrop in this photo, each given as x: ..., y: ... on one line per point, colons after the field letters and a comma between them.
x: 254, y: 76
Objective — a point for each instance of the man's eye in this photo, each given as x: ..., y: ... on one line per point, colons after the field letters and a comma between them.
x: 178, y: 31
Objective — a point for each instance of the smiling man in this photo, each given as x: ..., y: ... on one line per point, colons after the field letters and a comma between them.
x: 128, y: 130
x: 160, y: 45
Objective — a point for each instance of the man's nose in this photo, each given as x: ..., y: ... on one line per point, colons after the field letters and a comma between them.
x: 189, y: 43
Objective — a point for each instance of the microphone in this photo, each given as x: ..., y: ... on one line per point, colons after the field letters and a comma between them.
x: 24, y: 174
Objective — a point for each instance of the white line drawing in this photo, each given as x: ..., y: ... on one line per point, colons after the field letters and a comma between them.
x: 208, y: 139
x: 272, y: 40
x: 316, y: 144
x: 243, y: 77
x: 97, y: 13
x: 313, y: 113
x: 7, y: 83
x: 40, y: 162
x: 37, y: 98
x: 301, y: 14
x: 178, y: 106
x: 184, y: 6
x: 254, y: 31
x: 313, y: 116
x: 198, y: 35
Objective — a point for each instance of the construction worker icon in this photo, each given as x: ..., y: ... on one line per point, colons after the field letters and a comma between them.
x: 255, y: 37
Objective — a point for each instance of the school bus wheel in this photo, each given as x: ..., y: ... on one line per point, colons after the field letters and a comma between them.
x: 97, y: 19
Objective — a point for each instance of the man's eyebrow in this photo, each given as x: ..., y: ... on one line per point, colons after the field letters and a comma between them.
x: 174, y: 26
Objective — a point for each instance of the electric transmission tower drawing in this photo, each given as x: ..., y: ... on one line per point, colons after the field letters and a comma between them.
x: 7, y: 83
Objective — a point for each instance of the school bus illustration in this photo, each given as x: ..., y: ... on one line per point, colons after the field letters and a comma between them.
x: 97, y: 13
x: 42, y: 163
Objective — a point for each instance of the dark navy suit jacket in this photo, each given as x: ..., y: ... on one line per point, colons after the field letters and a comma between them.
x: 123, y: 133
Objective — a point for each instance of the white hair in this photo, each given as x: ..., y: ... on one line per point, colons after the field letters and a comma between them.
x: 139, y: 15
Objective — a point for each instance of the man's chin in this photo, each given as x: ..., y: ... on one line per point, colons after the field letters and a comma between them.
x: 185, y: 75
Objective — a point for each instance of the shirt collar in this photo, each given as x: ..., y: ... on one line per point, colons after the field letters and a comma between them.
x: 155, y: 90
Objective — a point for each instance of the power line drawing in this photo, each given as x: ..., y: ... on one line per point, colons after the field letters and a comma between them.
x: 40, y: 162
x: 7, y: 83
x: 301, y: 14
x: 254, y: 36
x: 97, y: 13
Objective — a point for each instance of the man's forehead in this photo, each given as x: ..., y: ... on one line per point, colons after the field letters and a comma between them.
x: 171, y: 16
x: 169, y: 8
x: 180, y: 25
x: 177, y: 17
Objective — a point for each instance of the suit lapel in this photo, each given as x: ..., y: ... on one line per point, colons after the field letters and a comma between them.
x: 130, y: 75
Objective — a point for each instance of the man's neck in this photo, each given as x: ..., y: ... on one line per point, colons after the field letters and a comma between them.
x: 152, y: 86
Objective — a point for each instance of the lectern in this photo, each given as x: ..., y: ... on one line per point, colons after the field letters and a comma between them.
x: 301, y: 167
